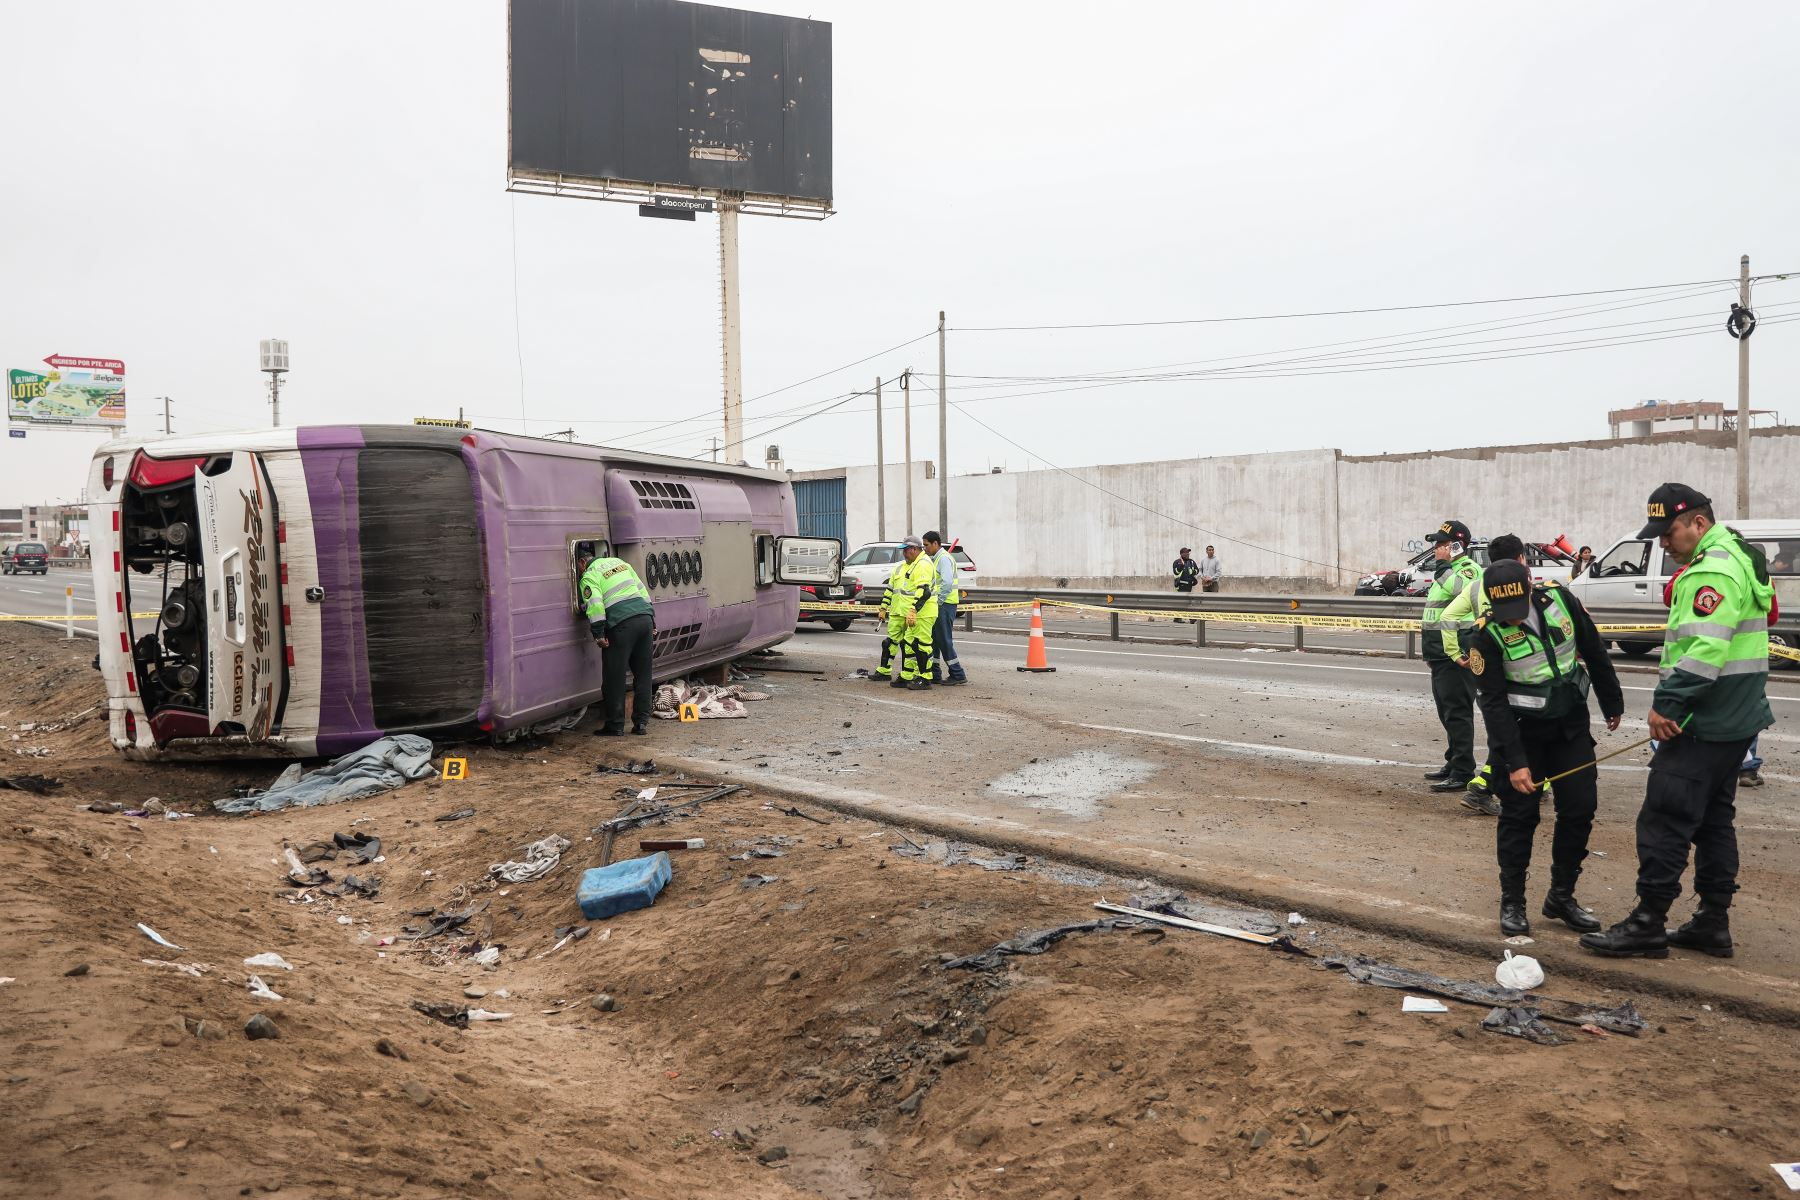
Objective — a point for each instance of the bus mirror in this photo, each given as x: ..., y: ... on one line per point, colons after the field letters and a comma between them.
x: 803, y: 560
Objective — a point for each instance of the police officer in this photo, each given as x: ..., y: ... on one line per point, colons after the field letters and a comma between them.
x: 1479, y: 795
x: 1451, y: 687
x: 1527, y: 660
x: 620, y: 617
x: 1711, y: 702
x: 911, y: 605
x: 943, y: 635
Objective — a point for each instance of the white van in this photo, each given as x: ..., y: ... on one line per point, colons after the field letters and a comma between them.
x: 1636, y: 570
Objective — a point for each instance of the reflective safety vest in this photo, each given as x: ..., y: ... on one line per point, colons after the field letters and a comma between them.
x: 912, y: 587
x: 611, y: 591
x: 945, y: 564
x: 1544, y: 679
x: 1445, y: 587
x: 1715, y: 659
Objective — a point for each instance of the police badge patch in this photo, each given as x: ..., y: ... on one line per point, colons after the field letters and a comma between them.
x: 1706, y: 600
x: 1477, y: 664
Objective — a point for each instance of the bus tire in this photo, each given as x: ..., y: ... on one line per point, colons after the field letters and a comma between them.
x: 1635, y: 649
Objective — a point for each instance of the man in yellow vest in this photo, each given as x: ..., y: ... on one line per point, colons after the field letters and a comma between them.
x: 911, y: 606
x: 623, y: 624
x: 1452, y: 687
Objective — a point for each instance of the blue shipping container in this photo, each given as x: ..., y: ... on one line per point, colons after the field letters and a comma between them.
x: 819, y: 507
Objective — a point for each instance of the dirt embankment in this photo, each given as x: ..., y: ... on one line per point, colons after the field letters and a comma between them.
x: 807, y: 1020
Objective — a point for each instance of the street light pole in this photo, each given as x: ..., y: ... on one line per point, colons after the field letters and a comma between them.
x: 1743, y: 407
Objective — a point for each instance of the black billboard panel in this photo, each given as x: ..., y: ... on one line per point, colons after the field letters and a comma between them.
x: 664, y: 92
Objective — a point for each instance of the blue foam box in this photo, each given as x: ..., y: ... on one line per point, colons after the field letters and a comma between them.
x: 634, y: 883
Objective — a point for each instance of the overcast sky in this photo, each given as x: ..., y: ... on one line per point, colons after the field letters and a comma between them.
x: 186, y: 178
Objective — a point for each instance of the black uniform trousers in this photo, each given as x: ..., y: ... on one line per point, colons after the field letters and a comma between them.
x: 1453, y: 688
x: 1691, y: 800
x: 628, y: 648
x: 1550, y: 749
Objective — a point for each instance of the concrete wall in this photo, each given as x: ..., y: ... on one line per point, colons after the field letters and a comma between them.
x: 1591, y: 492
x: 1314, y: 520
x: 860, y: 509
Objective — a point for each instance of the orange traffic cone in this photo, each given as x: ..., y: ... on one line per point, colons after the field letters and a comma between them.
x: 1035, y: 658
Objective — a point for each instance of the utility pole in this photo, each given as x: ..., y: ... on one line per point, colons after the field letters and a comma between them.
x: 732, y: 345
x: 880, y: 471
x: 274, y: 399
x: 943, y: 438
x: 906, y: 393
x: 713, y: 445
x: 166, y: 402
x: 1743, y: 414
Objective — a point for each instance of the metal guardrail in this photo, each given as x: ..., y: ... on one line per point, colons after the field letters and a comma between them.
x: 1301, y: 607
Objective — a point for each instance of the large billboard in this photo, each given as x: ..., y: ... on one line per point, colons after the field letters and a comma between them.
x: 651, y: 92
x: 68, y: 391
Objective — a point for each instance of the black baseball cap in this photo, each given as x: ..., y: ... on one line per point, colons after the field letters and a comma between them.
x: 1668, y: 502
x: 1450, y: 531
x: 1507, y: 585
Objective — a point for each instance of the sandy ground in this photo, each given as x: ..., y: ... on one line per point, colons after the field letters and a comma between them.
x: 808, y: 1020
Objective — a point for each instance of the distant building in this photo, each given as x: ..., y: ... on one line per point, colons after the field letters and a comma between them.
x: 1677, y: 416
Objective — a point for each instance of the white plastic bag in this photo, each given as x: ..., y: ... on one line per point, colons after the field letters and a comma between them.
x: 1520, y: 972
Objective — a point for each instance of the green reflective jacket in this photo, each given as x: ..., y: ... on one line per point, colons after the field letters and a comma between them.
x: 1715, y: 659
x: 1455, y: 578
x: 1471, y: 602
x: 912, y: 587
x: 610, y: 592
x: 1543, y: 677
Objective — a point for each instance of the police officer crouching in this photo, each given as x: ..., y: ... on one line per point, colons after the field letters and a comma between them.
x: 1712, y: 700
x: 1527, y: 661
x: 623, y: 622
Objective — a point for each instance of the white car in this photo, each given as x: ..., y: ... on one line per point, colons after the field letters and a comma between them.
x: 872, y: 564
x: 1635, y: 571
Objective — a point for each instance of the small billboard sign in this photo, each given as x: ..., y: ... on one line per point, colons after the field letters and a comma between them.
x: 69, y: 391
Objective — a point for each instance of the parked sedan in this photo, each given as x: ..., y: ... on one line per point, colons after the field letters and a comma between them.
x: 872, y: 564
x: 847, y: 588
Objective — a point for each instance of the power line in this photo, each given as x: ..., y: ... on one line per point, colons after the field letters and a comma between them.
x: 1355, y: 312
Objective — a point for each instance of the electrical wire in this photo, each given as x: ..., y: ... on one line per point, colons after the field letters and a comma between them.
x: 1353, y: 312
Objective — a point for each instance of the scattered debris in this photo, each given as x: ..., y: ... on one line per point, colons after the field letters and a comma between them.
x: 1418, y: 1004
x: 442, y: 923
x: 482, y: 1014
x: 37, y: 785
x: 461, y: 814
x: 1519, y: 939
x: 260, y: 1027
x: 381, y: 766
x: 1295, y: 920
x: 360, y: 848
x: 193, y: 969
x: 1520, y: 973
x: 76, y: 971
x: 1521, y: 1022
x: 301, y: 875
x: 1035, y: 942
x: 1623, y: 1018
x: 746, y: 856
x: 110, y: 807
x: 540, y: 858
x: 158, y: 938
x: 367, y: 887
x: 605, y: 1003
x: 269, y: 958
x: 390, y: 1049
x: 647, y: 767
x: 450, y: 1013
x: 751, y: 881
x: 791, y: 811
x: 488, y: 956
x: 261, y: 990
x: 1261, y: 939
x: 713, y: 702
x: 672, y: 844
x: 1790, y: 1174
x: 623, y: 886
x: 635, y: 814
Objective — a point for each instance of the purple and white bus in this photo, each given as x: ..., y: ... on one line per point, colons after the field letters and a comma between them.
x: 301, y: 592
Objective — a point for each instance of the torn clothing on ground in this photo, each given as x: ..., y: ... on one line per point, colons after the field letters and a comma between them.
x: 712, y: 701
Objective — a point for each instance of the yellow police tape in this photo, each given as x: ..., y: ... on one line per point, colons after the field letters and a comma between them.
x: 1305, y: 620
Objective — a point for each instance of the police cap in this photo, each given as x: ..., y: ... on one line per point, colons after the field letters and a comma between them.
x: 1508, y: 587
x: 1450, y: 531
x: 1668, y: 502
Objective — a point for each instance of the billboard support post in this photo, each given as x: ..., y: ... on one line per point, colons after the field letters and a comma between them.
x: 731, y: 356
x: 943, y: 438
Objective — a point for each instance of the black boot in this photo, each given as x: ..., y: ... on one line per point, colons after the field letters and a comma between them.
x: 1442, y: 772
x: 1710, y: 930
x: 1560, y: 903
x: 1641, y: 935
x: 1513, y: 920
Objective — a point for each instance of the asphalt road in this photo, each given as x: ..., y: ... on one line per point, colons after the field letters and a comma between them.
x: 1294, y: 776
x: 42, y: 595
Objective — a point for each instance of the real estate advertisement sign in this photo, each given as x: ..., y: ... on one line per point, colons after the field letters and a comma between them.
x: 68, y: 391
